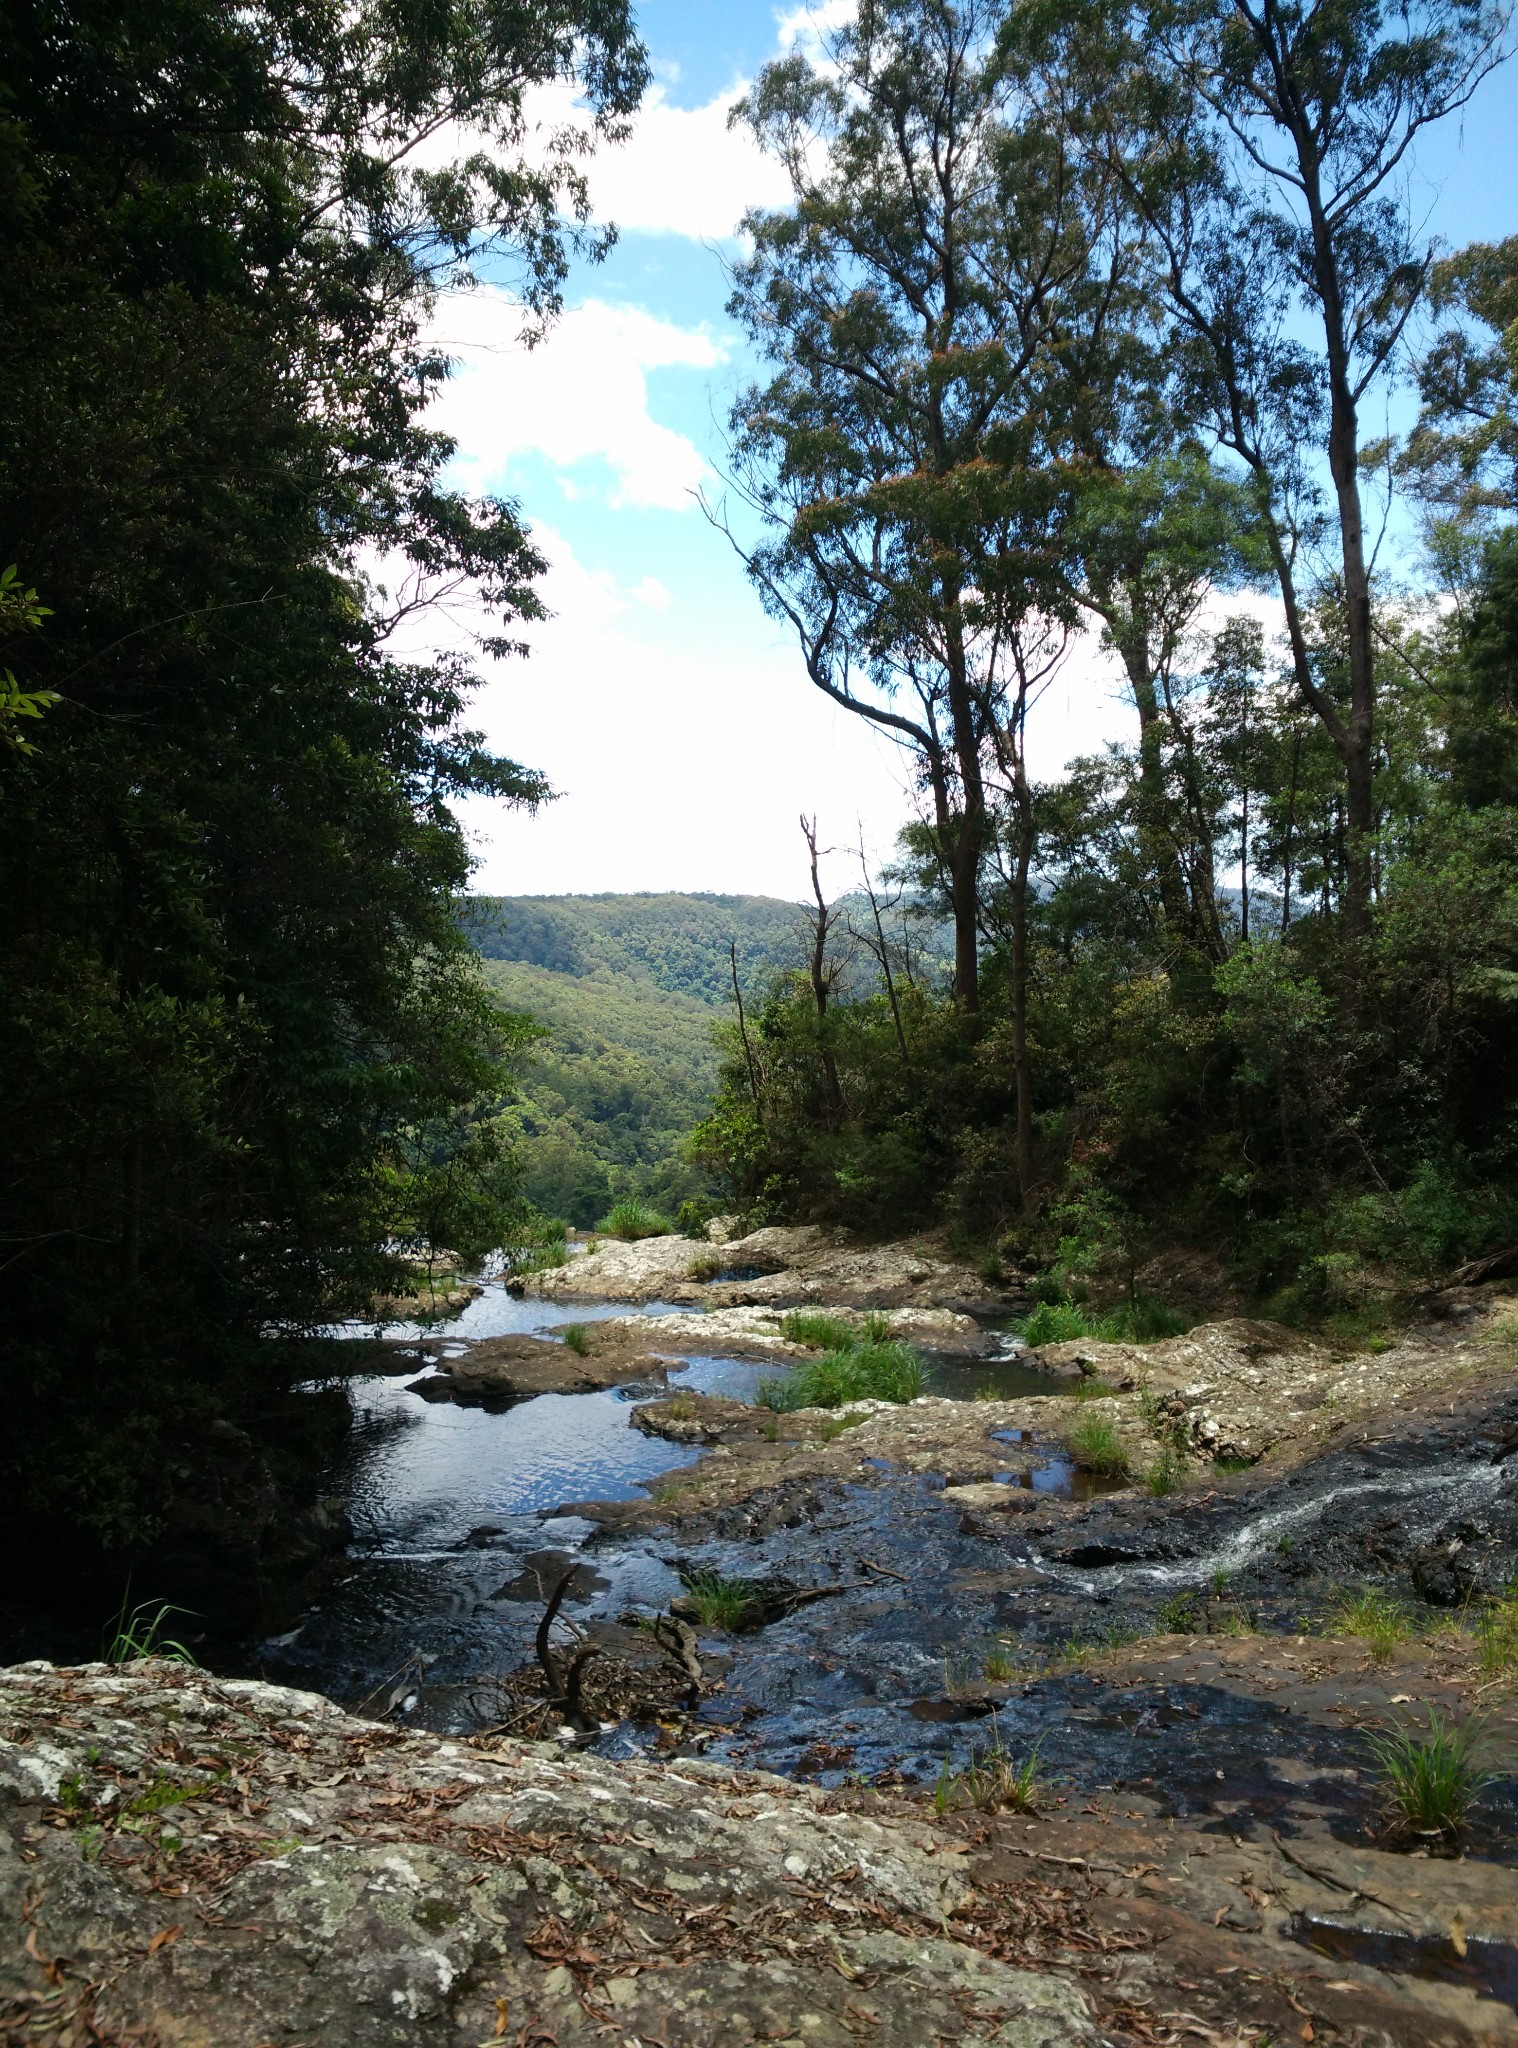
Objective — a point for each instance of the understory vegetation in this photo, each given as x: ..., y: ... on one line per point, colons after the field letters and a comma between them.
x: 863, y: 1368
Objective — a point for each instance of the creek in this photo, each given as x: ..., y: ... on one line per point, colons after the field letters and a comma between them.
x: 456, y: 1541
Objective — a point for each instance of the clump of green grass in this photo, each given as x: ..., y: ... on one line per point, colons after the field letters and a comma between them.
x: 1168, y: 1472
x: 1497, y: 1635
x: 705, y: 1267
x: 633, y: 1220
x: 1093, y: 1443
x: 1136, y: 1322
x: 836, y: 1426
x: 865, y: 1372
x: 537, y: 1258
x: 999, y: 1665
x: 1381, y: 1623
x: 680, y: 1407
x: 991, y: 1782
x: 1432, y: 1779
x: 817, y: 1330
x: 577, y: 1338
x: 721, y: 1602
x: 1178, y: 1616
x: 139, y: 1632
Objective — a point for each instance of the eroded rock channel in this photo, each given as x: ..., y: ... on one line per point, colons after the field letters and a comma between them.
x: 599, y: 1565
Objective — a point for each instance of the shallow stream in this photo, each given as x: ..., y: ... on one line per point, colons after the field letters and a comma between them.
x: 456, y: 1541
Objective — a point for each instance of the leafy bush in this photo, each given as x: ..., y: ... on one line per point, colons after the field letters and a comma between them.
x: 632, y: 1221
x: 866, y: 1372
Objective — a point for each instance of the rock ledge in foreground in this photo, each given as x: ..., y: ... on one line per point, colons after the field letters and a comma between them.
x: 209, y: 1860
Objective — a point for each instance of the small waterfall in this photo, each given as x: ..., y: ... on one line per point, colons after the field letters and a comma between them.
x: 1447, y: 1490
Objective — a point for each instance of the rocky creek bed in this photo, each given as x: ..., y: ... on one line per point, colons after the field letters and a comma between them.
x: 921, y: 1587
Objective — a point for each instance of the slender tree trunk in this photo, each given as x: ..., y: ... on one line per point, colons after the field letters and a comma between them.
x: 748, y: 1050
x: 1291, y: 826
x: 822, y: 980
x: 1021, y: 1070
x: 884, y: 955
x: 969, y: 831
x: 1155, y: 837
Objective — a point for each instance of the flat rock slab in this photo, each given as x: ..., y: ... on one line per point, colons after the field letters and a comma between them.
x: 197, y: 1860
x: 779, y: 1267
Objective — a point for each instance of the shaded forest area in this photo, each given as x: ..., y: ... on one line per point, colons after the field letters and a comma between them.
x: 1122, y: 324
x: 252, y: 1069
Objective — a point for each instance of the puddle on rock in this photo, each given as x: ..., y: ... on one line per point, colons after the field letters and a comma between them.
x: 1489, y: 1968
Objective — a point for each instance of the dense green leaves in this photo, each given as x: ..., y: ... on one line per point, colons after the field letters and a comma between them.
x: 250, y: 1063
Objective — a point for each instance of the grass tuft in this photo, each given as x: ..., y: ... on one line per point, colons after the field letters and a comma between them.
x: 138, y: 1632
x: 865, y: 1372
x: 1380, y: 1622
x: 1497, y: 1635
x: 1432, y: 1779
x: 991, y: 1782
x: 1168, y: 1472
x: 721, y: 1602
x: 1093, y: 1443
x: 633, y: 1220
x: 577, y: 1338
x: 1136, y: 1322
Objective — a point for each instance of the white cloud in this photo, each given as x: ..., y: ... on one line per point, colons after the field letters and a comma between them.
x: 806, y: 28
x: 683, y: 171
x: 580, y: 396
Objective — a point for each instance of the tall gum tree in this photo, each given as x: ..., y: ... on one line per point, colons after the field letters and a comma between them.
x: 903, y: 460
x: 1275, y: 139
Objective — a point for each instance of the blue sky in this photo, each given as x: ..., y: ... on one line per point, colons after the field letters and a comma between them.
x: 673, y: 717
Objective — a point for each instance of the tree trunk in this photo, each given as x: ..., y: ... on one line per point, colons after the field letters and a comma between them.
x: 1022, y: 1073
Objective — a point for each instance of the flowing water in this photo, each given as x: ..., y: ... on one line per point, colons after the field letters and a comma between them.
x: 456, y: 1536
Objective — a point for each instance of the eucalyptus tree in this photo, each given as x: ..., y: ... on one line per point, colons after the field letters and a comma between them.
x: 1269, y: 150
x: 916, y: 301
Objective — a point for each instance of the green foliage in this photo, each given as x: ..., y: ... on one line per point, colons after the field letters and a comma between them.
x: 726, y: 1603
x: 1136, y: 1322
x: 637, y: 944
x: 631, y: 1220
x: 139, y: 1632
x: 624, y: 1069
x: 865, y: 1372
x: 1167, y: 1473
x: 252, y: 1070
x: 1497, y: 1635
x: 818, y: 1330
x: 1180, y: 1615
x: 1432, y: 1779
x: 1094, y: 1444
x: 576, y: 1337
x: 1382, y: 1622
x: 991, y: 1782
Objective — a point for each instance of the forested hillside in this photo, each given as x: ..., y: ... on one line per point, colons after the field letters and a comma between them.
x: 627, y: 990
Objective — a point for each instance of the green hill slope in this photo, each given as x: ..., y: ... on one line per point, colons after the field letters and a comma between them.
x: 629, y: 989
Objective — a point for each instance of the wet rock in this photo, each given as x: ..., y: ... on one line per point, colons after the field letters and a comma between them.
x: 504, y: 1370
x: 333, y: 1880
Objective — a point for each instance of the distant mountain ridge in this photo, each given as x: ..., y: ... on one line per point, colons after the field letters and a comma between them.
x: 678, y: 942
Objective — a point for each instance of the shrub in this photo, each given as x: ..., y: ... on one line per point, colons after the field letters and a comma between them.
x: 1093, y: 1443
x: 632, y: 1220
x: 1432, y: 1780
